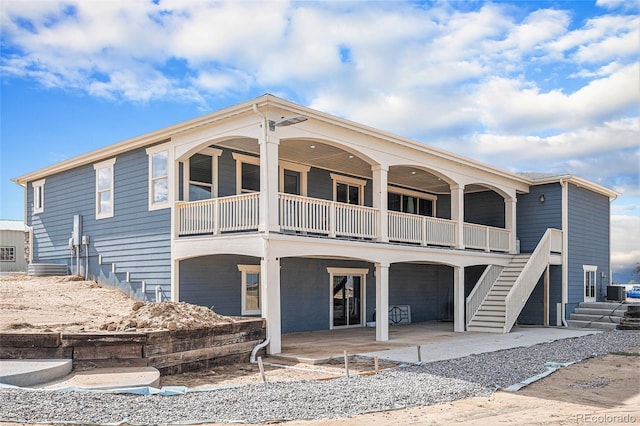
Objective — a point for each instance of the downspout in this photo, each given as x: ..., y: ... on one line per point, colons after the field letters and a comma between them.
x: 565, y: 248
x: 255, y: 350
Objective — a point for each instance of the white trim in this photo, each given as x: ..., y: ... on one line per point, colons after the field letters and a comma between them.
x: 336, y: 178
x: 38, y: 188
x: 249, y: 269
x: 242, y: 158
x: 360, y: 272
x: 108, y: 164
x: 157, y: 149
x: 587, y: 269
x: 302, y: 169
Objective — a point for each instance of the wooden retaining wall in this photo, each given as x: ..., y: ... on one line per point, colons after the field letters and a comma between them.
x: 170, y: 352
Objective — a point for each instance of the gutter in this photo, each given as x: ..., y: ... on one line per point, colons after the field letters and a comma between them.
x: 565, y: 248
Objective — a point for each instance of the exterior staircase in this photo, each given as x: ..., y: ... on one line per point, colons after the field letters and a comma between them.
x: 598, y: 315
x: 491, y: 315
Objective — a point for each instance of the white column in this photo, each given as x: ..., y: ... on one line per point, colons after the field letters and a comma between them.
x: 382, y: 302
x: 459, y: 322
x: 270, y: 302
x: 380, y: 200
x: 175, y: 280
x: 457, y: 213
x: 510, y: 222
x: 269, y: 182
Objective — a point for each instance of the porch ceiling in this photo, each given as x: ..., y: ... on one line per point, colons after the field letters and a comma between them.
x: 325, y: 156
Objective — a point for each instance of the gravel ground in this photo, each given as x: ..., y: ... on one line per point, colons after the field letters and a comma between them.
x: 476, y: 375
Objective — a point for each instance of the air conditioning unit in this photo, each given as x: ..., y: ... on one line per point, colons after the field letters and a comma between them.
x: 616, y: 292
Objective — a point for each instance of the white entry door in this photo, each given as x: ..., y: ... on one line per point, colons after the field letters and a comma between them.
x: 589, y: 282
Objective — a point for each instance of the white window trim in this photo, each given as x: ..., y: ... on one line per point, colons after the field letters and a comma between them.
x: 242, y: 158
x: 215, y: 154
x: 302, y: 169
x: 249, y: 269
x: 38, y: 186
x: 170, y: 167
x: 336, y: 178
x: 97, y: 167
x: 409, y: 192
x: 362, y: 272
x: 585, y: 270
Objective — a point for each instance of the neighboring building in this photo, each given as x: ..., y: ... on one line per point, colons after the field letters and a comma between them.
x: 12, y: 254
x: 315, y: 222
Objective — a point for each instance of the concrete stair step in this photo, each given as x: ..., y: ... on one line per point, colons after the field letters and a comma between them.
x: 484, y: 329
x: 108, y: 378
x: 593, y: 325
x: 600, y: 312
x: 489, y: 324
x: 604, y: 305
x: 596, y: 318
x: 30, y: 372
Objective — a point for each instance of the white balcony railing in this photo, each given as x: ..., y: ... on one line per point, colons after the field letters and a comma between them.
x: 486, y: 238
x: 322, y: 217
x: 424, y: 230
x: 315, y: 216
x: 217, y: 215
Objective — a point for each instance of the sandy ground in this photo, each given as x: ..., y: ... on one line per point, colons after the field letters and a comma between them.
x: 604, y: 390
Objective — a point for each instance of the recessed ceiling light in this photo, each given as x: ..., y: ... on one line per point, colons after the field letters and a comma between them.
x: 312, y: 146
x: 351, y: 156
x: 413, y: 173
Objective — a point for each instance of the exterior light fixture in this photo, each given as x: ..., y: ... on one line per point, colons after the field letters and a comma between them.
x: 542, y: 198
x: 287, y: 121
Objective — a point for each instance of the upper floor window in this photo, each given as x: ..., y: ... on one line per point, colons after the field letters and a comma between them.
x: 38, y: 196
x: 347, y: 189
x: 293, y: 178
x: 202, y: 174
x: 104, y: 188
x: 247, y: 173
x: 406, y: 201
x: 159, y: 169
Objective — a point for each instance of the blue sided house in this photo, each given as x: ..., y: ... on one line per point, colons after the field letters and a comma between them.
x: 272, y: 209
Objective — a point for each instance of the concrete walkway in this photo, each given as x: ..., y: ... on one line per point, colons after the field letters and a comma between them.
x: 476, y: 343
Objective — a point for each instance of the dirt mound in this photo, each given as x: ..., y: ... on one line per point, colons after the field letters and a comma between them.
x: 167, y: 315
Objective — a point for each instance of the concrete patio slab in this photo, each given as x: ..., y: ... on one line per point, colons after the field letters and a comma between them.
x: 437, y: 341
x: 108, y: 378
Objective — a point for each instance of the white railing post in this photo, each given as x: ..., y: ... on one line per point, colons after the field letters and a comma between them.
x: 487, y: 240
x: 424, y: 231
x: 332, y: 219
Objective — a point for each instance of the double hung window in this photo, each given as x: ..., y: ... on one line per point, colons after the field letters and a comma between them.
x: 104, y: 188
x: 250, y: 289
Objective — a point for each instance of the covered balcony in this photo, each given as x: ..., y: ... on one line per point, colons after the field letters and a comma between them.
x: 326, y: 190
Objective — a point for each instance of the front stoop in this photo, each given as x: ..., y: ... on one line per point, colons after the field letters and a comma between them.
x: 598, y: 315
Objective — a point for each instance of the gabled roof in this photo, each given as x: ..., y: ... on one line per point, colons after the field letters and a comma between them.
x: 538, y: 178
x: 266, y: 101
x: 11, y: 225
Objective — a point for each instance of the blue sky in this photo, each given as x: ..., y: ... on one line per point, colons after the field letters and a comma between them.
x: 549, y: 86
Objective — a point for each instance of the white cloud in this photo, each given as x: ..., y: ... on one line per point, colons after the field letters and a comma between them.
x: 625, y: 249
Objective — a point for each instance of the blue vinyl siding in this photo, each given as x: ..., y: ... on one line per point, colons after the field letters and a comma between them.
x: 428, y: 289
x: 588, y: 242
x: 484, y: 208
x: 135, y: 239
x: 533, y: 311
x: 305, y: 288
x: 214, y: 281
x: 534, y: 218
